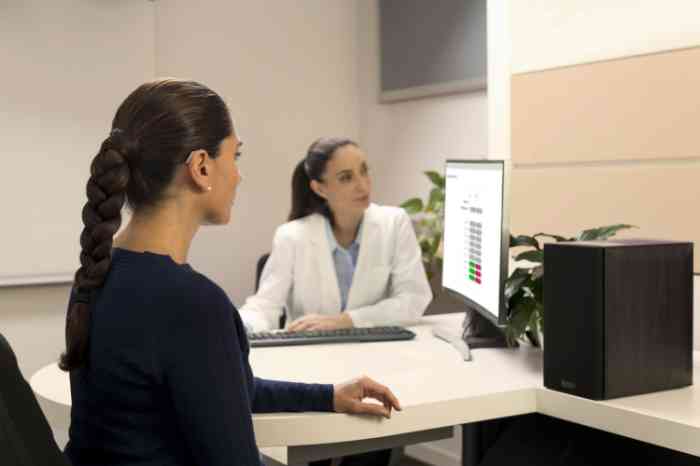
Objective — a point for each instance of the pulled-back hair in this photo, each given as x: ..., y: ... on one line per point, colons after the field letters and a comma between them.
x: 153, y: 131
x: 312, y: 167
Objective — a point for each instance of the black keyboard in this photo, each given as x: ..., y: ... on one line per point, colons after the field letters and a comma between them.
x: 350, y: 335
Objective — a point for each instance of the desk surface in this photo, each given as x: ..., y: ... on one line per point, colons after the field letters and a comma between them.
x: 438, y: 389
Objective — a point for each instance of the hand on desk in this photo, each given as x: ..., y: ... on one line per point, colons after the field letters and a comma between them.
x: 347, y: 398
x: 320, y: 322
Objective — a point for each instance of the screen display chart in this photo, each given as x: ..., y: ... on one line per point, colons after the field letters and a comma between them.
x: 472, y: 234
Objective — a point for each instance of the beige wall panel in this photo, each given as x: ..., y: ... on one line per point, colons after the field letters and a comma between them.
x: 645, y: 107
x: 660, y: 198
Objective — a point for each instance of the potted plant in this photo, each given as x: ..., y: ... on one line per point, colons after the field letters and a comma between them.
x: 524, y: 287
x: 428, y: 219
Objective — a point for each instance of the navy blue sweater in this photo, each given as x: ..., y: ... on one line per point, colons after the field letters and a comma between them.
x: 168, y: 380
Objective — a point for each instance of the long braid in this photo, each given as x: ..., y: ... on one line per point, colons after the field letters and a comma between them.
x: 106, y: 193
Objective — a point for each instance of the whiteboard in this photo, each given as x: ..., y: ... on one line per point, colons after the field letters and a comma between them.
x: 65, y: 66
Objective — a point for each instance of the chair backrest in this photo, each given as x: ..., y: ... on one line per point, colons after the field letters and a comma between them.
x: 258, y: 272
x: 25, y: 436
x: 259, y: 269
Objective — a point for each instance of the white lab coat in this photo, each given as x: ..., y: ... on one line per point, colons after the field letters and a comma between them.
x: 389, y: 285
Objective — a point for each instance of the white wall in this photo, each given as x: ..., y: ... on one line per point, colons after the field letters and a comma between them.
x: 549, y: 34
x: 32, y: 318
x: 289, y: 76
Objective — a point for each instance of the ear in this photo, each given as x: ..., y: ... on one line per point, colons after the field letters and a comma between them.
x: 198, y: 165
x: 319, y: 189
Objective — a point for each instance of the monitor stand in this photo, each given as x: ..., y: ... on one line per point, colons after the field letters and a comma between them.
x: 479, y: 332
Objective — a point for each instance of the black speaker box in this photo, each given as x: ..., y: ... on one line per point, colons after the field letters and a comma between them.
x: 618, y: 317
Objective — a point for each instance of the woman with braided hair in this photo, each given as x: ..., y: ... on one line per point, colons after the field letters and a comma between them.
x: 157, y: 353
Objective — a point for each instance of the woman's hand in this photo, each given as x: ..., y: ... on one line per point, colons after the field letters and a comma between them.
x: 320, y: 322
x: 348, y: 398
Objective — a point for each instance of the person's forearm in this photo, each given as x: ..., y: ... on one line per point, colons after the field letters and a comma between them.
x: 277, y: 396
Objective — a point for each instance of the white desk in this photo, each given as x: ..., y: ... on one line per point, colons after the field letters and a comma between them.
x: 438, y: 391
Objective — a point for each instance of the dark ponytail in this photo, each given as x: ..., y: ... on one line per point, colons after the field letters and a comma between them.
x: 153, y: 132
x: 312, y: 167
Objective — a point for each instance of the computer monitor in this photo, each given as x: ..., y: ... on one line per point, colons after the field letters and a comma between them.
x: 475, y: 244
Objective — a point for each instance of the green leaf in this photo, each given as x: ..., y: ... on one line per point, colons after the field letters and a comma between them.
x: 436, y: 197
x: 534, y: 326
x: 436, y: 178
x: 434, y: 245
x: 533, y: 323
x: 555, y: 237
x: 536, y: 285
x: 413, y: 206
x: 519, y: 272
x: 538, y: 272
x: 424, y: 245
x: 523, y: 240
x: 602, y: 233
x: 439, y: 209
x: 515, y: 300
x: 515, y: 281
x: 520, y: 317
x: 428, y: 269
x: 531, y: 256
x: 438, y: 263
x: 511, y: 338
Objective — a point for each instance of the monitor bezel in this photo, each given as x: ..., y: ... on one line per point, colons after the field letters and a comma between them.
x: 502, y: 318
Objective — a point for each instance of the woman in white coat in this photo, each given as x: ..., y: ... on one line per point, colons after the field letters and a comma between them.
x: 340, y: 261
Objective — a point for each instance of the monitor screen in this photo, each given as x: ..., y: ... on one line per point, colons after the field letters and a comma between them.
x: 475, y: 247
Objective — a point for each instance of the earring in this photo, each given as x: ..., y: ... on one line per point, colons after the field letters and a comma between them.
x: 208, y: 188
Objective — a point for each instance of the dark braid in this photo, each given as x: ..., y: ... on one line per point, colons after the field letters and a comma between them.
x: 154, y: 130
x: 106, y: 193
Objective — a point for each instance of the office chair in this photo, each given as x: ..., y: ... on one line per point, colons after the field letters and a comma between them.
x: 258, y: 272
x: 25, y: 436
x: 259, y: 268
